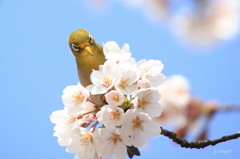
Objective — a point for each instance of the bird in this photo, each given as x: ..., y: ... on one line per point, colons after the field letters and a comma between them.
x: 88, y: 54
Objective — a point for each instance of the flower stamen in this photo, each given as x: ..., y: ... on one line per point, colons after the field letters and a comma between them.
x: 71, y: 120
x: 123, y: 83
x: 114, y: 139
x: 114, y: 115
x: 86, y: 139
x: 137, y: 123
x: 142, y: 103
x: 107, y: 82
x: 116, y: 97
x: 78, y: 97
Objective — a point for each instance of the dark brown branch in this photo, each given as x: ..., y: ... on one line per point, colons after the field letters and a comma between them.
x: 197, y: 144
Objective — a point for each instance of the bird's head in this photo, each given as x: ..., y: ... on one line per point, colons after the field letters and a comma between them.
x: 81, y: 43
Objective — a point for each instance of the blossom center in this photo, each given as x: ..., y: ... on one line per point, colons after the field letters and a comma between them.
x: 114, y: 115
x: 148, y: 75
x: 123, y: 83
x: 180, y: 90
x: 142, y: 103
x: 114, y: 138
x: 147, y: 72
x: 78, y: 97
x: 137, y: 123
x: 107, y: 82
x: 116, y: 97
x: 71, y: 120
x: 86, y: 138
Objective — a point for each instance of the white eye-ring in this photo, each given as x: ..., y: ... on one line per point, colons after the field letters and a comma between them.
x: 90, y: 39
x: 75, y: 47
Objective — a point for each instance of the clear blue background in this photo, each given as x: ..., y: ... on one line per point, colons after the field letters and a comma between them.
x: 36, y: 65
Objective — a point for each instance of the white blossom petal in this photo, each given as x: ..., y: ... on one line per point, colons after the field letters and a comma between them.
x: 112, y: 51
x: 74, y: 97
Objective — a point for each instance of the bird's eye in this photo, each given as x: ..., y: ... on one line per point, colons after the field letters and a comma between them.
x: 75, y: 47
x: 91, y: 39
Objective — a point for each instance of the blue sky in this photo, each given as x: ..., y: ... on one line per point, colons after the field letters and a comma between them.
x: 36, y: 65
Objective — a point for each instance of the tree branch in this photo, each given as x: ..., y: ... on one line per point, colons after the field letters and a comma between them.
x: 197, y: 144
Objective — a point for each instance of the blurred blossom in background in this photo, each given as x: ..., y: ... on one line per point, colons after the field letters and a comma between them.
x: 182, y: 111
x: 96, y: 7
x: 198, y: 22
x: 175, y: 95
x: 156, y: 10
x: 208, y: 22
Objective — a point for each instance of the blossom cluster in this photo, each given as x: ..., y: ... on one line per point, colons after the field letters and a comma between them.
x: 129, y: 100
x: 215, y: 20
x: 202, y: 23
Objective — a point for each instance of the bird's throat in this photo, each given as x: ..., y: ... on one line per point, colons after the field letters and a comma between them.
x: 85, y: 66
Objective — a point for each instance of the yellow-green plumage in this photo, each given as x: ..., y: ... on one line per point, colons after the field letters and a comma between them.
x: 89, y: 55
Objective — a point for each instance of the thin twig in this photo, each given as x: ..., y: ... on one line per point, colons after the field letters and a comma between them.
x: 94, y: 126
x: 228, y: 108
x: 197, y: 144
x: 94, y: 111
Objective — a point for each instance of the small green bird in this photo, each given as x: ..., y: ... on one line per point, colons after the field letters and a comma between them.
x: 89, y: 54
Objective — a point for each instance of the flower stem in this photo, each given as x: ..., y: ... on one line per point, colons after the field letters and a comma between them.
x: 94, y: 111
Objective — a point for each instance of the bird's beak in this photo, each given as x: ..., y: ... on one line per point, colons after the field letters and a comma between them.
x: 89, y: 50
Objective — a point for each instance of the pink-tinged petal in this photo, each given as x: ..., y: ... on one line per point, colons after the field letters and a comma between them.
x: 127, y: 141
x: 98, y: 89
x: 126, y: 48
x: 120, y: 152
x: 152, y: 128
x: 139, y: 139
x: 110, y: 47
x: 59, y: 116
x: 63, y: 142
x: 156, y: 66
x: 143, y: 83
x: 157, y: 80
x: 148, y: 102
x: 96, y: 77
x: 110, y: 68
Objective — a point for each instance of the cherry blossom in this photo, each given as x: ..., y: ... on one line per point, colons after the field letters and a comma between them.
x: 139, y: 126
x: 127, y: 83
x: 151, y: 70
x: 110, y: 116
x: 64, y: 125
x: 104, y: 79
x: 83, y: 144
x: 74, y: 97
x: 147, y: 101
